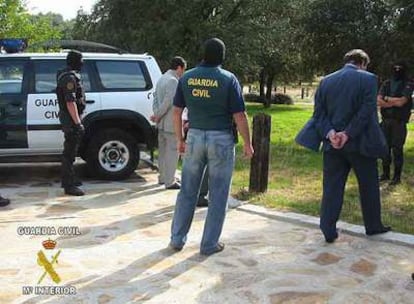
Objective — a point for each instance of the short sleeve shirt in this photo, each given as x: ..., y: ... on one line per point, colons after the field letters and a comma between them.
x: 212, y: 95
x: 68, y: 85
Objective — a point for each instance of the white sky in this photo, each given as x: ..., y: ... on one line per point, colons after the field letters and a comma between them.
x: 67, y: 8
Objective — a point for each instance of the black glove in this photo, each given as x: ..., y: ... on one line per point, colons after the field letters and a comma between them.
x: 79, y: 129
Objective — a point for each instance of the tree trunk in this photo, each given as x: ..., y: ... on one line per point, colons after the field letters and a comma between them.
x: 262, y: 84
x: 269, y: 85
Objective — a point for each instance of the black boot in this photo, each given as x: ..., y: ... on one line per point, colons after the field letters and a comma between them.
x: 78, y: 182
x: 385, y: 173
x: 4, y: 201
x: 397, y: 176
x: 73, y: 190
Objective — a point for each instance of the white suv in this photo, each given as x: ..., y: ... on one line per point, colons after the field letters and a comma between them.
x: 119, y: 93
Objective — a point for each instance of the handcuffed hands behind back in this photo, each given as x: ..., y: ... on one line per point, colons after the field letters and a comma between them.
x: 338, y: 139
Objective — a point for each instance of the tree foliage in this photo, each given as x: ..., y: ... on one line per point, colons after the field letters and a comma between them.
x: 16, y: 22
x: 383, y: 28
x: 259, y: 34
x: 267, y: 40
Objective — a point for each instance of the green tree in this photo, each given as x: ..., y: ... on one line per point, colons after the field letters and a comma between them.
x: 64, y: 28
x: 16, y: 22
x: 259, y: 34
x: 331, y: 28
x: 404, y: 12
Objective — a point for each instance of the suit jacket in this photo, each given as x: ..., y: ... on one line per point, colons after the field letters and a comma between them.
x: 163, y: 100
x: 346, y: 100
x: 309, y: 136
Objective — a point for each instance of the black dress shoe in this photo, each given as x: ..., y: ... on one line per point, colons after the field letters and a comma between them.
x: 174, y: 186
x: 74, y: 191
x: 4, y: 201
x: 202, y: 202
x: 383, y: 229
x: 332, y: 239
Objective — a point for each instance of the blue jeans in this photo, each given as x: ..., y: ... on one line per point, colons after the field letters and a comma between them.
x: 214, y: 148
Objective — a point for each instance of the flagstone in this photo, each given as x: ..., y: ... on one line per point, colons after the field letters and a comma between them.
x: 326, y: 258
x: 121, y: 255
x: 298, y: 297
x: 364, y: 267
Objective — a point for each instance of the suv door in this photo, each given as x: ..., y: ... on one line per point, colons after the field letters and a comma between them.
x: 13, y: 97
x: 44, y: 130
x: 126, y: 85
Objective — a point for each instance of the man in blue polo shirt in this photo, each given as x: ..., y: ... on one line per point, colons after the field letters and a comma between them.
x: 213, y: 97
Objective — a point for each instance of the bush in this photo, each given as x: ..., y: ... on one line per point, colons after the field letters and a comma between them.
x: 277, y: 98
x: 280, y: 98
x: 253, y: 97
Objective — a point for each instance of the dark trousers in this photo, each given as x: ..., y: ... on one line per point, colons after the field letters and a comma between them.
x: 395, y: 132
x: 70, y: 150
x: 336, y: 167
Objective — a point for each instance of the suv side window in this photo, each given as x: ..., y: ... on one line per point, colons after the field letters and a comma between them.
x: 123, y: 75
x: 11, y: 77
x: 45, y: 75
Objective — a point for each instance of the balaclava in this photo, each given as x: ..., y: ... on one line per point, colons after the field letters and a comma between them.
x: 214, y: 51
x: 74, y: 60
x: 399, y: 70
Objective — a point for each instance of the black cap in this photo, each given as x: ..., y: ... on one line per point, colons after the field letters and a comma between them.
x: 214, y: 51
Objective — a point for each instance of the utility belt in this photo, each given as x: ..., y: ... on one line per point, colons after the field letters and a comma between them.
x: 233, y: 131
x: 394, y: 119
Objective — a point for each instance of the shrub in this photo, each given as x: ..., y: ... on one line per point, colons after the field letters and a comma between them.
x: 280, y: 98
x: 277, y: 98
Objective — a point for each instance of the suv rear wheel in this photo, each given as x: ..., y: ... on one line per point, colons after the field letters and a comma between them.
x: 112, y: 154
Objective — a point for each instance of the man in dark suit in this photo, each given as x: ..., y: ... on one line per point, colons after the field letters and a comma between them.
x: 346, y: 118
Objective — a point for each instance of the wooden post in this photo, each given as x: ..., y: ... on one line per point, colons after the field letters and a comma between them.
x: 259, y: 166
x: 302, y: 94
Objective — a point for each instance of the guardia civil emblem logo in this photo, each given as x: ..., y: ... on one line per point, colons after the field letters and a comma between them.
x: 48, y: 266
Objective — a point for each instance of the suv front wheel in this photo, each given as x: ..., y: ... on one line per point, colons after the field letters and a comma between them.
x: 112, y: 154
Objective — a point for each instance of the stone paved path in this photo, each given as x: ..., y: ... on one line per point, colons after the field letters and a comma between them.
x: 121, y: 255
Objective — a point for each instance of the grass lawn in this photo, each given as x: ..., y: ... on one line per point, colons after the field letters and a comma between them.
x: 295, y: 174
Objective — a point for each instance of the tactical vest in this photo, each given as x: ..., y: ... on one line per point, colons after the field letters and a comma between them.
x: 80, y: 94
x: 399, y: 113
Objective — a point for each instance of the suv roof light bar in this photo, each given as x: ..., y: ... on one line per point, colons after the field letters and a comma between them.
x: 13, y: 45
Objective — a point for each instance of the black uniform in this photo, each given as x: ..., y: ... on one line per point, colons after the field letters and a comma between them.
x: 69, y: 89
x: 394, y: 125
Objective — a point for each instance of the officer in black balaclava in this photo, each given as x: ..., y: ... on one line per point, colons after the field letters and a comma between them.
x: 214, y: 51
x: 395, y: 101
x: 213, y: 97
x: 71, y: 99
